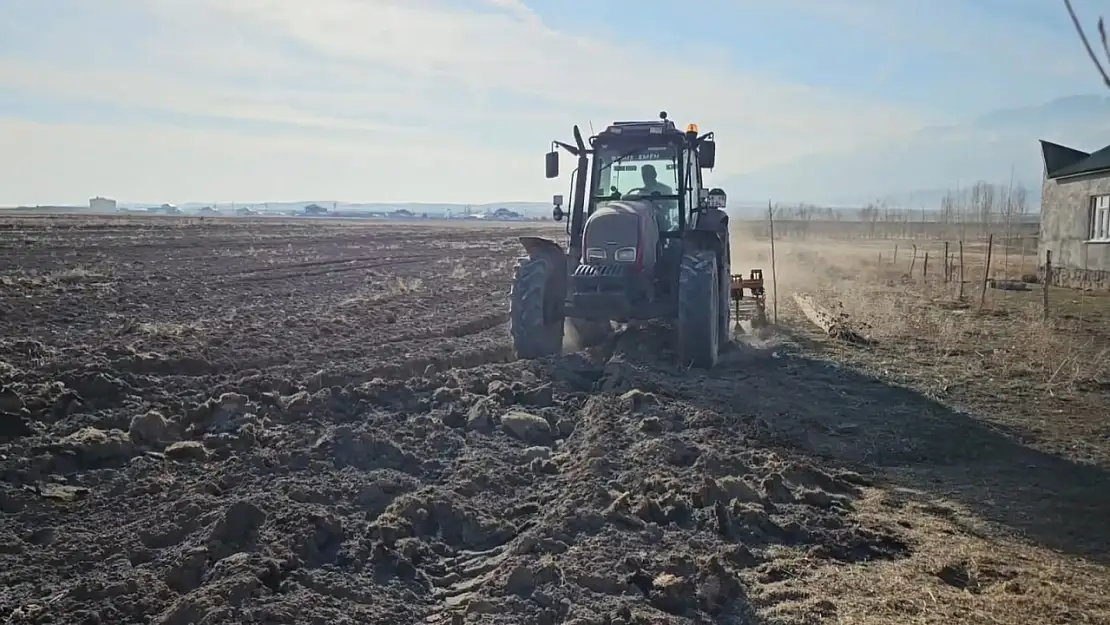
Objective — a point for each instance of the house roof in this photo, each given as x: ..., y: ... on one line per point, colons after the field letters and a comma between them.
x: 1064, y: 162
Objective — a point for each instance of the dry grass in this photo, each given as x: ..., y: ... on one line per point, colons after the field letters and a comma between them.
x: 1012, y: 531
x: 960, y: 572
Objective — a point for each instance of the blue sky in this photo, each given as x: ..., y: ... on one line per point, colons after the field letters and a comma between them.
x: 456, y: 100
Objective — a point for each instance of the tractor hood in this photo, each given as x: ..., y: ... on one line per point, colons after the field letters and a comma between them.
x: 619, y: 225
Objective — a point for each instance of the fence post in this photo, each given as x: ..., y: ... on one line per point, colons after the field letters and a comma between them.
x: 774, y: 271
x: 1045, y: 282
x: 1021, y: 270
x: 925, y: 267
x: 986, y: 271
x: 961, y: 294
x: 947, y: 268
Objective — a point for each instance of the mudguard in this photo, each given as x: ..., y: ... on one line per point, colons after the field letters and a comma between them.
x: 713, y: 219
x: 702, y: 240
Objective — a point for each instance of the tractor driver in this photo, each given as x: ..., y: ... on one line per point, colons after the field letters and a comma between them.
x: 663, y: 208
x: 651, y: 181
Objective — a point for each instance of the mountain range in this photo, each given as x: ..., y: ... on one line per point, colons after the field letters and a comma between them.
x: 917, y: 170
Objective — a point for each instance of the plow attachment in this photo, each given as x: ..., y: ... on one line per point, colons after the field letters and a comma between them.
x: 749, y: 298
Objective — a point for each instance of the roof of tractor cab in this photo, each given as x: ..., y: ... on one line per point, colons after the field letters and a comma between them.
x: 662, y: 127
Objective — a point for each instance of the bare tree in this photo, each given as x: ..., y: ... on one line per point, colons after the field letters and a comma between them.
x: 986, y: 207
x: 1087, y: 43
x: 1020, y: 200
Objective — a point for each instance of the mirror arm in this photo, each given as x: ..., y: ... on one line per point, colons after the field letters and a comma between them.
x: 569, y: 148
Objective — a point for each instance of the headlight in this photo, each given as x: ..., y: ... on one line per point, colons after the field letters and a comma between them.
x: 625, y: 255
x: 595, y: 253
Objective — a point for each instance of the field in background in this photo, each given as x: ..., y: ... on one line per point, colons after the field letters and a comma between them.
x: 284, y: 420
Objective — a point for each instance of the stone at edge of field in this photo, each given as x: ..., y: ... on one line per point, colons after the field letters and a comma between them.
x: 528, y: 427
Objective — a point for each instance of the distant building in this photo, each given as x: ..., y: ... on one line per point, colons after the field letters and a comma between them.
x: 1075, y: 215
x: 504, y: 214
x: 102, y: 204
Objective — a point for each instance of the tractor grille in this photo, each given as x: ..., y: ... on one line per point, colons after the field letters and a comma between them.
x: 609, y: 271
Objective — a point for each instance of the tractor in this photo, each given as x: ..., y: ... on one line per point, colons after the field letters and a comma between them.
x: 646, y: 240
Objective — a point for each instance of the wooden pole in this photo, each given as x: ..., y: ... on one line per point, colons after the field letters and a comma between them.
x: 961, y: 294
x: 1045, y: 283
x: 947, y: 267
x: 1021, y: 271
x: 774, y: 273
x: 925, y: 267
x: 986, y: 271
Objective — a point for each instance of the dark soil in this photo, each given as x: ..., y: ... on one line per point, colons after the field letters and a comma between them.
x: 272, y: 422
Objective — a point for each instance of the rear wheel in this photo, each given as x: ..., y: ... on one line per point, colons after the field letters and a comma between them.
x: 699, y: 285
x: 724, y: 312
x: 535, y: 309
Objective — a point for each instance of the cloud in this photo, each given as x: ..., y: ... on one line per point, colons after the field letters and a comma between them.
x: 369, y: 100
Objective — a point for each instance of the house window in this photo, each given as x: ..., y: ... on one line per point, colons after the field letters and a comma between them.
x: 1100, y: 218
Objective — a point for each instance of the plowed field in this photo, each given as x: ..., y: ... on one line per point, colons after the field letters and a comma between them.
x: 267, y: 421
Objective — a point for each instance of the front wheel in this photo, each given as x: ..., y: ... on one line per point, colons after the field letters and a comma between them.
x: 535, y: 309
x: 699, y: 336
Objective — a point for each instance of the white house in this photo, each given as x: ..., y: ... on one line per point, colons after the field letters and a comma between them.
x: 102, y: 204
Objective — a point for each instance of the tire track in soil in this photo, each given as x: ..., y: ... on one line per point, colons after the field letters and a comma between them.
x: 385, y: 256
x: 382, y: 264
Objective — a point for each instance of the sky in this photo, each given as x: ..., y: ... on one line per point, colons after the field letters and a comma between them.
x: 458, y: 100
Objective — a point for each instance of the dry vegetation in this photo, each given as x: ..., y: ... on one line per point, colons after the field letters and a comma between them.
x: 1001, y: 483
x: 309, y: 422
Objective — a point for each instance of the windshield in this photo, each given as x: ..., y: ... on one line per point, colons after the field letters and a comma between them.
x: 650, y: 173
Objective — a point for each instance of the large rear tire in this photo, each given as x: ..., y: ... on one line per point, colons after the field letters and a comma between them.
x: 699, y: 336
x: 536, y: 308
x: 724, y: 310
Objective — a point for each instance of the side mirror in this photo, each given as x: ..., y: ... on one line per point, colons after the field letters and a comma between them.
x: 707, y: 154
x: 716, y: 198
x: 557, y: 213
x: 551, y: 163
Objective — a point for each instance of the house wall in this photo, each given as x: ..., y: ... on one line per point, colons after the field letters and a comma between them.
x: 1065, y: 226
x: 102, y: 204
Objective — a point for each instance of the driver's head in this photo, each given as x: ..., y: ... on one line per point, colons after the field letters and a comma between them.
x: 649, y: 174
